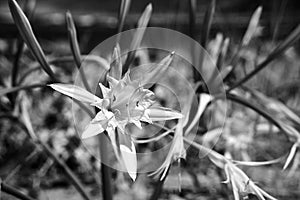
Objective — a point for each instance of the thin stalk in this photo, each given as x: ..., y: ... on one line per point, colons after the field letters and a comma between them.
x: 15, y: 69
x: 105, y: 170
x: 158, y: 188
x: 14, y: 192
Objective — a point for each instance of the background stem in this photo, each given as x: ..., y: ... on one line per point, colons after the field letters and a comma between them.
x: 105, y: 170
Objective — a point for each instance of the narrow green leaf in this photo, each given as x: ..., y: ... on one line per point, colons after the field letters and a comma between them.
x: 192, y: 17
x: 124, y: 8
x: 26, y: 32
x: 5, y: 91
x: 207, y: 21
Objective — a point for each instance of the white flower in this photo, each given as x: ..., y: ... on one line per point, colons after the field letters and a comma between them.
x: 124, y: 102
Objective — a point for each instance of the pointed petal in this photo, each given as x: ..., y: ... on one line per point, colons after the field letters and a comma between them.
x: 257, y: 192
x: 157, y: 113
x: 291, y: 156
x: 137, y: 123
x: 266, y: 194
x: 204, y: 100
x: 235, y: 190
x: 105, y: 91
x: 76, y: 92
x: 91, y: 130
x: 112, y: 82
x: 128, y: 154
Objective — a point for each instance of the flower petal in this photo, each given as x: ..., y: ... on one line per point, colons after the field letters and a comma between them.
x: 112, y: 81
x: 76, y: 92
x: 204, y: 100
x: 128, y: 154
x: 157, y: 113
x: 290, y: 156
x: 105, y: 91
x: 92, y: 129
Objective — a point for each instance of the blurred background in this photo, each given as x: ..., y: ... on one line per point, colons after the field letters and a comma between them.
x: 26, y: 167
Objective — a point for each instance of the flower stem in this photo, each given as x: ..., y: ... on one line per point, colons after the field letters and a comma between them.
x: 105, y: 170
x: 159, y: 187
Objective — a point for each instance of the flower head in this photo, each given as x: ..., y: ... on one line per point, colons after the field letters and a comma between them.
x: 124, y: 102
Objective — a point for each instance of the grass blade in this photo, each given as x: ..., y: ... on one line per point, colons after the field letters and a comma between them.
x: 192, y: 18
x: 206, y: 26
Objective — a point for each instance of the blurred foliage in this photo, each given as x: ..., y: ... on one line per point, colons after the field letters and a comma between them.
x: 247, y: 135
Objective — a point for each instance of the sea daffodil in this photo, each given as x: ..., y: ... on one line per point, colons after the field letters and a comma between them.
x: 124, y: 102
x: 241, y: 184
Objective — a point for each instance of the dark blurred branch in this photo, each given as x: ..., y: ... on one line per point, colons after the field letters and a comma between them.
x: 14, y: 192
x: 105, y: 169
